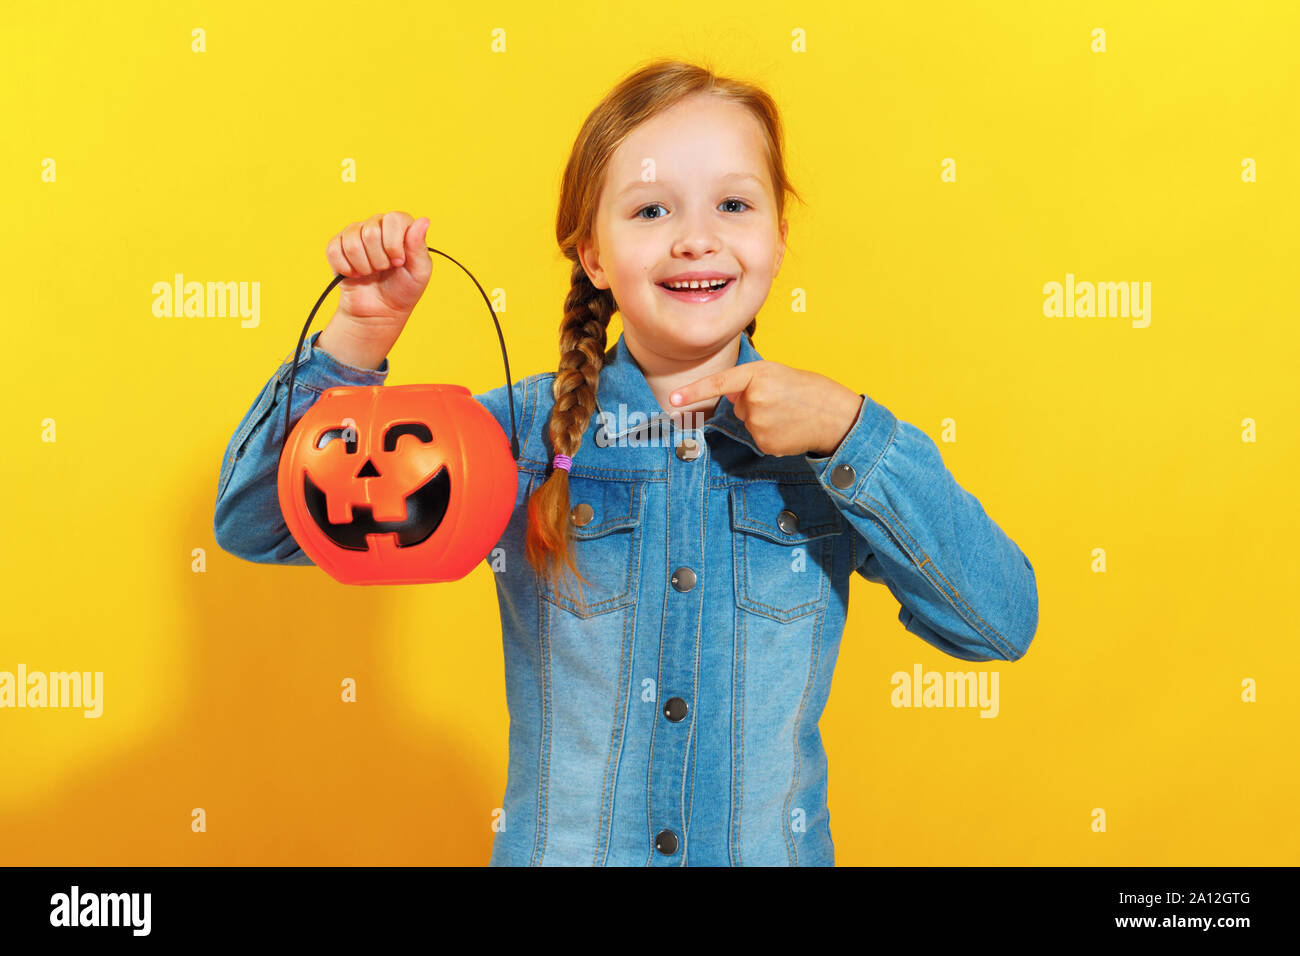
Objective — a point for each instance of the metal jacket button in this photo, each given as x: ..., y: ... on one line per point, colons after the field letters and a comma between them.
x: 788, y: 522
x: 675, y: 709
x: 843, y: 476
x: 581, y: 514
x: 688, y: 449
x: 666, y: 842
x: 683, y: 579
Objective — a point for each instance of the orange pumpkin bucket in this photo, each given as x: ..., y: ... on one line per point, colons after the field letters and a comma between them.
x: 405, y: 484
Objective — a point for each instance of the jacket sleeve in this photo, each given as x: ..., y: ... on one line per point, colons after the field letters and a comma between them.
x: 962, y: 584
x: 247, y: 520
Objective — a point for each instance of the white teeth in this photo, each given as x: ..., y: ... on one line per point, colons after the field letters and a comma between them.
x: 697, y: 284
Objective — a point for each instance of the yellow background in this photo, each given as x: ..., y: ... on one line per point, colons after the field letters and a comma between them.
x: 222, y: 687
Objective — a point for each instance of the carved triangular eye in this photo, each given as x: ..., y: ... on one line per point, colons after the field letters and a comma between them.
x: 349, y: 434
x: 418, y: 429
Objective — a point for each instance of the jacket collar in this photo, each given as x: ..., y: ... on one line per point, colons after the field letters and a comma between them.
x: 622, y: 383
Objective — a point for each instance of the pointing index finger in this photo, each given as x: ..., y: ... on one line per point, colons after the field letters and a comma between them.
x: 731, y: 380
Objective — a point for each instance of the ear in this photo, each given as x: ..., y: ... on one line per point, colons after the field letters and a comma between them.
x: 780, y: 249
x: 590, y: 259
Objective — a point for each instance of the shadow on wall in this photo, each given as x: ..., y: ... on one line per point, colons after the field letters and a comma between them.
x: 287, y: 773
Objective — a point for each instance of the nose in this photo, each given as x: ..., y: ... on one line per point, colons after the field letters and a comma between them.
x: 368, y: 470
x: 698, y: 236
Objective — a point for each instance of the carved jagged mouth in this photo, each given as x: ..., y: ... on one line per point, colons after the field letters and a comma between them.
x: 425, y: 508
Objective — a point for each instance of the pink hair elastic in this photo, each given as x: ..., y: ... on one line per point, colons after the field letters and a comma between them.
x: 562, y: 461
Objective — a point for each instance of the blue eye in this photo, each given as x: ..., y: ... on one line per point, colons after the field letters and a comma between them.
x: 661, y: 206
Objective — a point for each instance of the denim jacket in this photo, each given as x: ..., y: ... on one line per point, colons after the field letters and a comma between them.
x: 669, y: 714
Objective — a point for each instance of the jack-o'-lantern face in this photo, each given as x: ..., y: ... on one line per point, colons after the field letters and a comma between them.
x: 397, y: 484
x: 418, y: 512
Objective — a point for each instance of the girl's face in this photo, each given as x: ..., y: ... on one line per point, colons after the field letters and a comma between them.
x: 709, y: 207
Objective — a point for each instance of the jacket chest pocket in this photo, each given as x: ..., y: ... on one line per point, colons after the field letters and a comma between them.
x: 783, y: 536
x: 605, y: 537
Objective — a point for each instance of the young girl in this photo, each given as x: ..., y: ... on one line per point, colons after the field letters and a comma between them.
x: 664, y: 707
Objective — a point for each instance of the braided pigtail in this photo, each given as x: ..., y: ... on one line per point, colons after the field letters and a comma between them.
x: 587, y: 311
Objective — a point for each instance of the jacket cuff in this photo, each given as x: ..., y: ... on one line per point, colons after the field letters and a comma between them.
x: 319, y: 370
x: 845, y: 473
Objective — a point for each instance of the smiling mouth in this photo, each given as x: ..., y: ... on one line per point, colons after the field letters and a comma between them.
x: 425, y: 508
x: 701, y: 294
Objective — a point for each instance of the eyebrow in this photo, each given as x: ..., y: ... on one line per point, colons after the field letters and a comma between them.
x: 637, y: 184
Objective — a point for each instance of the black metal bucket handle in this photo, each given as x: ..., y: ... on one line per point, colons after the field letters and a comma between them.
x: 293, y: 372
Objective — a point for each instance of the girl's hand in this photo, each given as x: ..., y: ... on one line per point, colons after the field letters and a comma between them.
x: 385, y: 264
x: 386, y: 269
x: 787, y: 411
